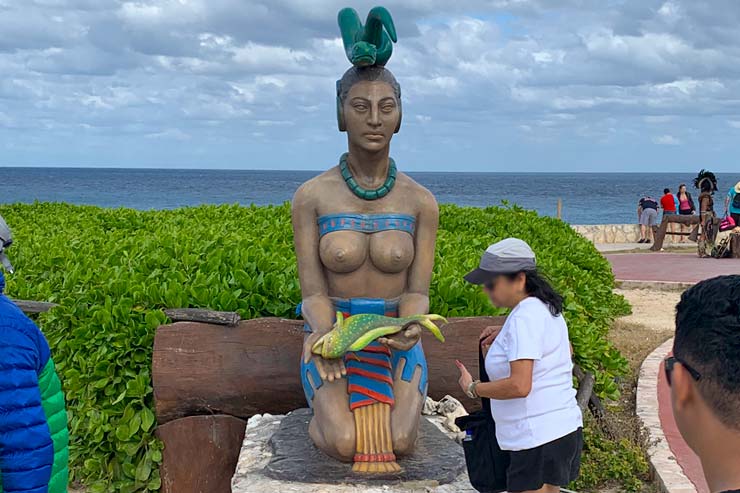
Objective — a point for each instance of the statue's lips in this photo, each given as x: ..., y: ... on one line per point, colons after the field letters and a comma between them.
x: 374, y: 136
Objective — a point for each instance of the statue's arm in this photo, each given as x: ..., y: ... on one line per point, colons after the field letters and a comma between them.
x: 416, y: 298
x: 317, y: 308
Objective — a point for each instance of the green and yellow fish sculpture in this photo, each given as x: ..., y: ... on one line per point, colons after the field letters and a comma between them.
x: 356, y: 332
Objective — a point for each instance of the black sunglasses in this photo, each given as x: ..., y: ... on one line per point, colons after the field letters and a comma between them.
x: 671, y: 361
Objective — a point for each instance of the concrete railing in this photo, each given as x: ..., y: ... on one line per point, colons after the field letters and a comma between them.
x: 609, y: 233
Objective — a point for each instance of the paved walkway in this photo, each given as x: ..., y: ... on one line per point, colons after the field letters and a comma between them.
x: 687, y: 459
x: 631, y: 247
x: 677, y: 468
x: 669, y: 267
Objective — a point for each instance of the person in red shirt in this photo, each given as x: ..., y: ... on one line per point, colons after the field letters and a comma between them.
x: 668, y: 204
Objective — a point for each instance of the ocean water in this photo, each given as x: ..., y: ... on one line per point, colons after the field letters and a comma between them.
x: 588, y: 198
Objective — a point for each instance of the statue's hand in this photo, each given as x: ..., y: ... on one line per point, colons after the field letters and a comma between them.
x: 329, y: 369
x: 404, y: 340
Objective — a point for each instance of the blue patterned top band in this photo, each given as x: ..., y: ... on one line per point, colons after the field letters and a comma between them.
x: 367, y: 223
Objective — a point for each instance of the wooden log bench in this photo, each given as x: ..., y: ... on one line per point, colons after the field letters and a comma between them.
x: 659, y: 232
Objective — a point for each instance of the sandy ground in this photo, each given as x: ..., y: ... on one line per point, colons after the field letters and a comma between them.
x: 651, y: 309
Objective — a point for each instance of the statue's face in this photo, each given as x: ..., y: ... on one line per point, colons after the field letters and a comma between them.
x: 371, y: 114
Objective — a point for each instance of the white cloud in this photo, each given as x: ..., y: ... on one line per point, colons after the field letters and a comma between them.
x: 670, y: 11
x: 667, y: 140
x: 659, y: 118
x: 218, y: 70
x: 170, y: 133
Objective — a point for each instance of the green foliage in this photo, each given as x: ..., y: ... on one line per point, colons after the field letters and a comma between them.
x: 113, y: 270
x: 604, y: 460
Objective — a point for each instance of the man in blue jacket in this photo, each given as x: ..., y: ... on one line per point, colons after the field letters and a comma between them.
x: 33, y: 422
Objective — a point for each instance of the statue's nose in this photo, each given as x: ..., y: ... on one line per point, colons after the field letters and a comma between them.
x: 374, y: 118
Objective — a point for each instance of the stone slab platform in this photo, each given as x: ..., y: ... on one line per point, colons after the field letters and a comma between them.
x: 257, y: 452
x: 437, y: 458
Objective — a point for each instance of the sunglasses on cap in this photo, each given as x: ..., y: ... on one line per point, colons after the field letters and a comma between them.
x: 671, y: 361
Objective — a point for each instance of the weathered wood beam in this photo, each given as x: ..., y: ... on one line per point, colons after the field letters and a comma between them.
x: 200, y: 453
x: 32, y: 307
x: 202, y: 315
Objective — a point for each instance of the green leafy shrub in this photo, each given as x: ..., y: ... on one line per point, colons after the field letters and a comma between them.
x: 618, y: 461
x: 113, y: 270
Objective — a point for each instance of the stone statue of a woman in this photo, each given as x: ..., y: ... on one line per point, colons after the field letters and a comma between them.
x: 364, y: 239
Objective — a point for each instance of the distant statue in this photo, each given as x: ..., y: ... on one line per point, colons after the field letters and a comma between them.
x: 364, y: 238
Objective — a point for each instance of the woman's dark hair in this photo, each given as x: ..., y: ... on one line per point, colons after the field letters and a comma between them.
x: 538, y: 286
x: 682, y: 185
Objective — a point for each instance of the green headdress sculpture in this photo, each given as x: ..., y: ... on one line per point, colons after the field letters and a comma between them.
x: 371, y: 44
x: 368, y: 48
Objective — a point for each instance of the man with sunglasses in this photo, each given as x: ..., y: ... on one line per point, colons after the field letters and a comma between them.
x: 704, y: 375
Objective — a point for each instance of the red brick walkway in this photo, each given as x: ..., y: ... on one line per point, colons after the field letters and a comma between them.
x: 686, y: 457
x: 669, y: 267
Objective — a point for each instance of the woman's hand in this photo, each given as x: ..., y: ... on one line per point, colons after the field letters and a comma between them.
x: 329, y: 369
x: 465, y: 377
x: 488, y: 335
x: 404, y: 340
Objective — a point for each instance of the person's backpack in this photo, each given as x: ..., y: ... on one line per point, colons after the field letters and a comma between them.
x: 486, y: 462
x: 736, y: 201
x: 722, y: 249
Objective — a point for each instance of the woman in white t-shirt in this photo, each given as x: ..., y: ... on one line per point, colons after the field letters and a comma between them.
x: 533, y: 401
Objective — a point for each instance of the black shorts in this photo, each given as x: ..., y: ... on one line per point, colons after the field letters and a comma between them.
x: 557, y: 463
x: 686, y: 212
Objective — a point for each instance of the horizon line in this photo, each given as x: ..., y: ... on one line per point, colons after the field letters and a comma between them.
x: 123, y: 168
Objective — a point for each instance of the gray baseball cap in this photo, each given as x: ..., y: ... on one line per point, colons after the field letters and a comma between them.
x: 505, y: 257
x: 6, y: 239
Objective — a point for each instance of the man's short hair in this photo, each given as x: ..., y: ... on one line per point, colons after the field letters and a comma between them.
x: 708, y: 339
x: 666, y: 190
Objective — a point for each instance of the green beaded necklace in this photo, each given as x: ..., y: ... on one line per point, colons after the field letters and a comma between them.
x: 364, y: 193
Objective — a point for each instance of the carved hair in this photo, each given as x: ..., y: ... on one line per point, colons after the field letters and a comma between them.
x: 371, y: 73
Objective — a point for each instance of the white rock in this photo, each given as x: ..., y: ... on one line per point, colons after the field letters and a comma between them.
x: 449, y: 405
x: 430, y: 407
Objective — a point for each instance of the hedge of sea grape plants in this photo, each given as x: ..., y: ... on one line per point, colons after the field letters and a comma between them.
x: 112, y: 271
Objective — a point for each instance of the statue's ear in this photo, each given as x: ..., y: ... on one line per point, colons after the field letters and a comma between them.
x: 400, y: 112
x: 340, y: 109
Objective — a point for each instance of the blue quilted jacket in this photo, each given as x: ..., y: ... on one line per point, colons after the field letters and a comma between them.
x: 33, y: 422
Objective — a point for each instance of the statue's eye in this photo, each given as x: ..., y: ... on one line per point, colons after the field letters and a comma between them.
x: 388, y: 108
x: 360, y: 107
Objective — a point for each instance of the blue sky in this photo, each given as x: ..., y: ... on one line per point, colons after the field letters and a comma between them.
x: 494, y: 85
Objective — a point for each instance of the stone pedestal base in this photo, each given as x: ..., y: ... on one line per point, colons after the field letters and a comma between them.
x: 277, y: 455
